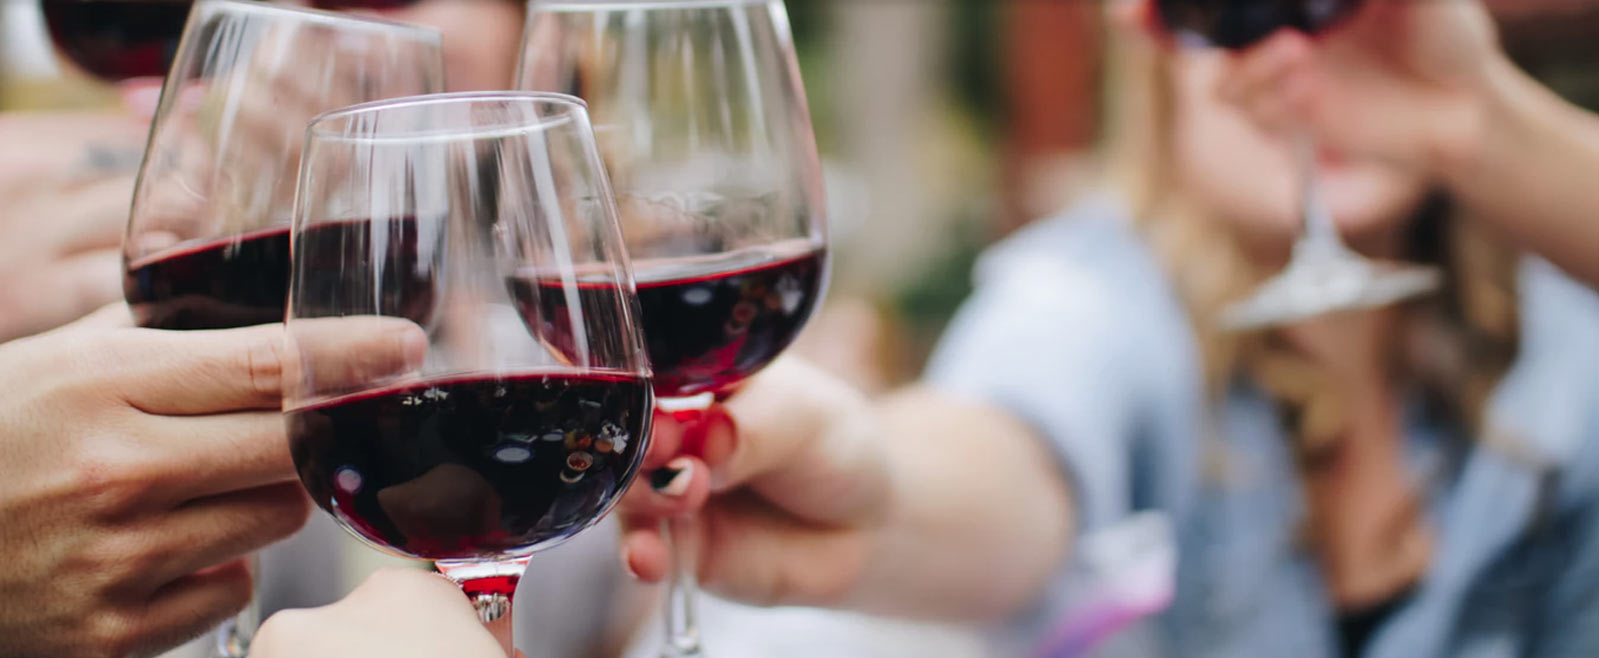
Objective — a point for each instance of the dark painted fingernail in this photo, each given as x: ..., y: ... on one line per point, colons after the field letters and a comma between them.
x: 673, y: 478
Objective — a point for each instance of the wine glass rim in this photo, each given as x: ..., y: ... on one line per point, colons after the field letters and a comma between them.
x: 322, y: 16
x: 567, y: 6
x: 572, y: 104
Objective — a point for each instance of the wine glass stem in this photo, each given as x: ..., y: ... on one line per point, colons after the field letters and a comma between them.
x: 682, y: 589
x: 682, y: 538
x: 491, y: 586
x: 1317, y: 229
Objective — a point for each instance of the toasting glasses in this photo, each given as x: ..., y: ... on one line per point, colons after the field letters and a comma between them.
x: 1324, y: 275
x: 483, y: 226
x: 208, y: 237
x: 701, y: 118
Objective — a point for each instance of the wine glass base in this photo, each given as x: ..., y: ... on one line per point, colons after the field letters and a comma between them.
x: 1308, y: 289
x: 230, y: 642
x: 683, y: 652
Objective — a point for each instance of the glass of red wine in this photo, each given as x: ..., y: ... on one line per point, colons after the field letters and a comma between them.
x: 207, y: 245
x: 117, y: 40
x: 701, y: 117
x: 1324, y: 275
x: 519, y: 421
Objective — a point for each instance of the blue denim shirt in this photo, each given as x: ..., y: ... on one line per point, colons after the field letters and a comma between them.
x: 1075, y: 330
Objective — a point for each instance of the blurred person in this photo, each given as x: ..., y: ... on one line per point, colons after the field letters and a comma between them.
x: 1421, y: 480
x: 1424, y: 86
x: 140, y: 467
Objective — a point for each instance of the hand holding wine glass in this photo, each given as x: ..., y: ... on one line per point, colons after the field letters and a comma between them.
x: 141, y: 466
x: 701, y: 117
x: 65, y: 181
x: 1406, y: 82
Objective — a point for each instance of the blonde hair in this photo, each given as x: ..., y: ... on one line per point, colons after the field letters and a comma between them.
x: 1462, y: 341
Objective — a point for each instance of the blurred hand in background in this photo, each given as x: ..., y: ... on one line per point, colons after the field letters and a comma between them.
x: 65, y: 184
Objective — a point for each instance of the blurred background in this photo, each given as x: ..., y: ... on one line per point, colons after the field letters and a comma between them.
x: 944, y: 125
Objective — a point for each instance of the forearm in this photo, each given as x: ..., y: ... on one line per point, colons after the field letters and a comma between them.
x: 980, y: 517
x: 1529, y: 169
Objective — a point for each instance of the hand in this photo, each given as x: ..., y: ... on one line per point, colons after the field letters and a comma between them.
x: 65, y: 182
x: 139, y: 466
x: 1406, y: 82
x: 397, y: 613
x: 796, y: 495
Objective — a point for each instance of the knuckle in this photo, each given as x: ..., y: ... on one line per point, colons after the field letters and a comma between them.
x: 120, y: 558
x: 112, y: 634
x: 263, y: 361
x: 111, y: 486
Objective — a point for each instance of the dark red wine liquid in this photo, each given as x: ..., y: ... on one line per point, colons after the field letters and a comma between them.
x: 244, y: 280
x: 470, y: 467
x: 708, y: 323
x: 118, y: 39
x: 237, y: 282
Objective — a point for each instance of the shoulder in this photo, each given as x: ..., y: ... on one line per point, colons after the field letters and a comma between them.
x: 1091, y: 261
x: 1075, y: 307
x: 1550, y: 397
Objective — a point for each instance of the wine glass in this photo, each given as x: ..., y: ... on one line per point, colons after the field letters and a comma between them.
x: 483, y: 225
x: 1323, y: 275
x: 701, y: 118
x: 207, y: 245
x: 117, y: 40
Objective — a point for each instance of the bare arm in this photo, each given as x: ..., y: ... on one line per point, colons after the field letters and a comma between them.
x: 917, y: 505
x: 1531, y: 172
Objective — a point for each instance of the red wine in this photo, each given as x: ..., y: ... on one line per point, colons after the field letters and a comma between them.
x: 118, y: 39
x: 473, y: 466
x: 244, y: 280
x: 236, y: 282
x: 709, y: 322
x: 1239, y: 24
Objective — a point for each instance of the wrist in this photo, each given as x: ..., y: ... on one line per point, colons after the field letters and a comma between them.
x: 1462, y: 138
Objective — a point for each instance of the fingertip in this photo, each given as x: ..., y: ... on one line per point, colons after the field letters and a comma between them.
x: 666, y: 439
x: 645, y: 555
x: 717, y: 439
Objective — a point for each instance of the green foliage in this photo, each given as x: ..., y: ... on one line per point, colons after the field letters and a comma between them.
x: 976, y: 59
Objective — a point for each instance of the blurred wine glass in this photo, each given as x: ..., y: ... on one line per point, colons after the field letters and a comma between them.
x: 1324, y: 275
x: 702, y: 121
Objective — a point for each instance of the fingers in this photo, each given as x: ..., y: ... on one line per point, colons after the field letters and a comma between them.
x: 200, y: 372
x: 203, y: 372
x: 752, y: 551
x: 329, y: 354
x: 1263, y: 68
x: 397, y: 613
x: 676, y: 488
x: 57, y: 292
x: 181, y: 610
x: 385, y: 586
x: 666, y: 441
x: 645, y: 554
x: 204, y: 456
x: 113, y: 315
x: 91, y: 216
x: 212, y: 531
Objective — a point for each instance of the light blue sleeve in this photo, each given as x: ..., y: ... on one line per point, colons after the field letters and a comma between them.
x: 1047, y: 342
x: 1561, y: 320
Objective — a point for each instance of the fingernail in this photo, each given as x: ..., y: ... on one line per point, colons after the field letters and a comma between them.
x: 673, y: 479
